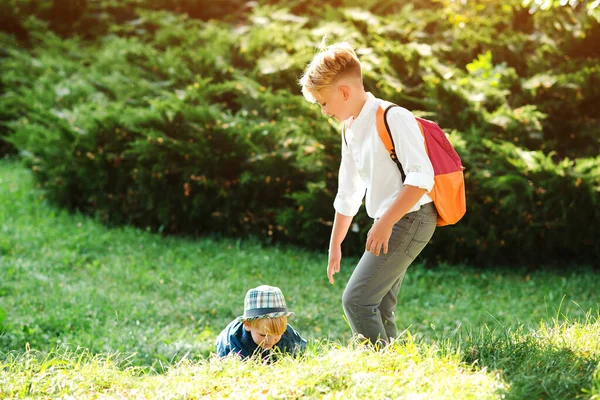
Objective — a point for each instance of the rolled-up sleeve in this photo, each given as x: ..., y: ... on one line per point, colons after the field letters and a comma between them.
x: 410, y: 148
x: 351, y: 188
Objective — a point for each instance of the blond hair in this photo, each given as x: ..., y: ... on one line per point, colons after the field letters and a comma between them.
x: 271, y: 326
x: 327, y: 67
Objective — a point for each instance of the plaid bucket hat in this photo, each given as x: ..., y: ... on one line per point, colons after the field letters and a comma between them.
x: 264, y: 302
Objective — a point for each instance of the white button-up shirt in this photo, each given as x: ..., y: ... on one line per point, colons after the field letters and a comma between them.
x: 366, y: 164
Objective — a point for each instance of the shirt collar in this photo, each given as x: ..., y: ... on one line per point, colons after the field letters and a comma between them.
x: 360, y: 123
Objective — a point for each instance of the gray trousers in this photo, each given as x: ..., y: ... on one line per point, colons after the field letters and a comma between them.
x: 371, y: 294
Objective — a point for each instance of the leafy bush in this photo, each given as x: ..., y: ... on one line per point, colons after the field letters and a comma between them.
x: 93, y: 18
x: 101, y: 143
x: 8, y: 46
x: 5, y: 147
x: 568, y: 100
x: 185, y: 126
x: 523, y: 207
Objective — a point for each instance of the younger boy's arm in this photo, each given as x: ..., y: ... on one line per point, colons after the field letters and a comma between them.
x: 228, y: 341
x: 299, y: 342
x: 291, y: 342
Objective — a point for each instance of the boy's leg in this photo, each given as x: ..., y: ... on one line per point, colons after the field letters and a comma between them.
x: 387, y: 307
x: 375, y: 277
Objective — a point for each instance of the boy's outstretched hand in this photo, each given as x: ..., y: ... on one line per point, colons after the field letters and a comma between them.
x: 335, y: 257
x: 378, y: 237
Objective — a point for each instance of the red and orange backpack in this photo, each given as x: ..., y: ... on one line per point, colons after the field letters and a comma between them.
x: 448, y: 192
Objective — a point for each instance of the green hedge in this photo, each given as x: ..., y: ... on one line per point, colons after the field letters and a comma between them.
x: 93, y: 18
x: 8, y: 44
x: 523, y: 207
x: 185, y: 126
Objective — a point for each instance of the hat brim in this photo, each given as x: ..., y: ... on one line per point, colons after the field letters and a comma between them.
x: 268, y: 315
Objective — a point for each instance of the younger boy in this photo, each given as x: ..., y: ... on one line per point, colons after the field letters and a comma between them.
x: 263, y: 329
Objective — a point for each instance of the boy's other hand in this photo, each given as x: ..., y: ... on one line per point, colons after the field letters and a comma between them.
x: 378, y: 237
x: 335, y: 257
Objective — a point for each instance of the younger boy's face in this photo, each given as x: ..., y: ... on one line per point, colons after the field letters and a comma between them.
x: 333, y: 102
x: 261, y: 338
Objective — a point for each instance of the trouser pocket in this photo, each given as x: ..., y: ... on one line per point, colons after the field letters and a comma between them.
x: 422, y: 230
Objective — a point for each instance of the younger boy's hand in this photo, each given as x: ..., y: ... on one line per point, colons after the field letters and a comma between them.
x: 333, y: 266
x: 378, y: 237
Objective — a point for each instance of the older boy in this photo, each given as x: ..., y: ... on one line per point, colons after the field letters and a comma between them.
x: 263, y: 329
x: 403, y: 213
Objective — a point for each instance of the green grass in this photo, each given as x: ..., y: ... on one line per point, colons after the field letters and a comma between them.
x: 124, y: 312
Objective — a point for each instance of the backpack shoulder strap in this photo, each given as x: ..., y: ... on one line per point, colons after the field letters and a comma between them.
x: 383, y: 129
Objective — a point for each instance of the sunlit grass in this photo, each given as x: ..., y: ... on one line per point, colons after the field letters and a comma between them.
x: 89, y: 311
x: 559, y: 360
x: 401, y: 371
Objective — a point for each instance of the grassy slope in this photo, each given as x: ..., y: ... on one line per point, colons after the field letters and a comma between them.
x: 67, y: 281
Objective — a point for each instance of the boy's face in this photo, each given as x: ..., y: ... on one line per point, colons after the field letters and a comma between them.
x: 261, y: 338
x: 333, y: 102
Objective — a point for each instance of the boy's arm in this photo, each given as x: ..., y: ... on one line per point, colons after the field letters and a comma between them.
x: 227, y: 343
x: 351, y: 190
x: 341, y: 224
x: 379, y: 235
x: 295, y: 344
x: 419, y: 176
x: 410, y: 148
